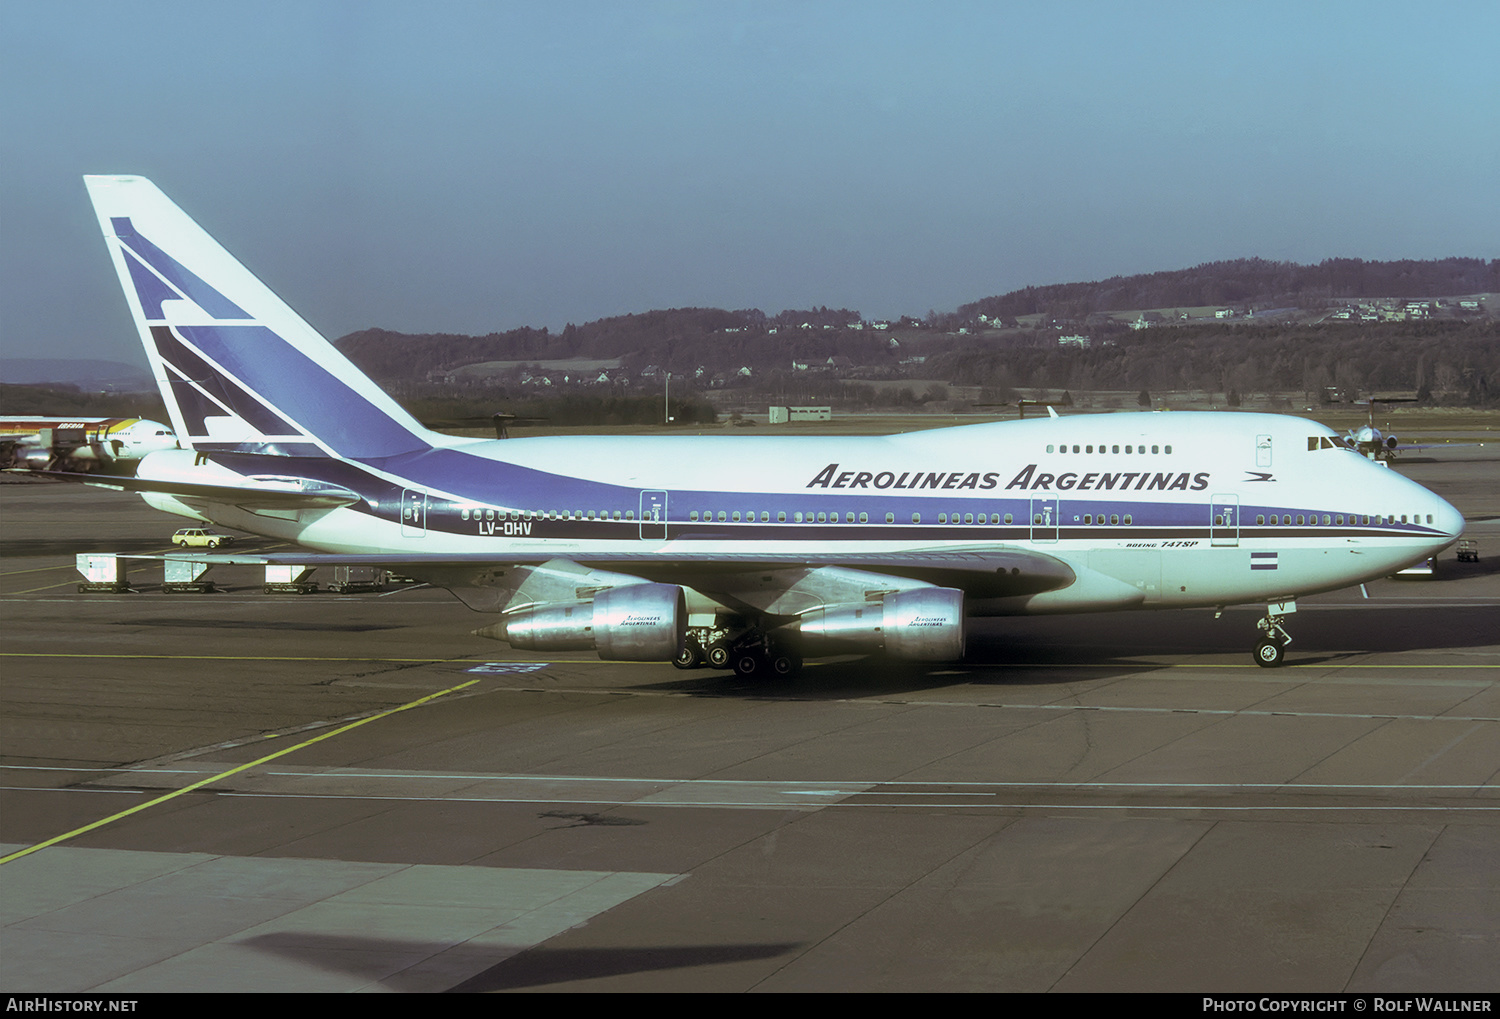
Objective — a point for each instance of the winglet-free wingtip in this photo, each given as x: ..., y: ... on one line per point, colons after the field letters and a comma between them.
x: 1052, y: 412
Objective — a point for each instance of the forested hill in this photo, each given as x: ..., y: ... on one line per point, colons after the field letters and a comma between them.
x: 672, y: 337
x: 1246, y: 280
x: 681, y: 338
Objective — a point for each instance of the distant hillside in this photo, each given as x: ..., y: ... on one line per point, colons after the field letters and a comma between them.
x: 68, y: 401
x: 105, y: 376
x: 1245, y: 281
x: 685, y: 339
x: 676, y: 339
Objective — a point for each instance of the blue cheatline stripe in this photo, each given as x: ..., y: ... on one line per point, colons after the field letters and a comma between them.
x: 203, y: 295
x: 302, y: 389
x: 228, y: 394
x: 148, y: 287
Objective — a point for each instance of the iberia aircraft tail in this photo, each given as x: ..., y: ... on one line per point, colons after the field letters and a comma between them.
x: 238, y: 369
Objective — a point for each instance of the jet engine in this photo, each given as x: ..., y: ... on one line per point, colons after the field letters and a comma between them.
x: 637, y: 623
x: 925, y: 625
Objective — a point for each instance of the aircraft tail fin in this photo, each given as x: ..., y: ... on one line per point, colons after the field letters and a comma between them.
x: 237, y: 368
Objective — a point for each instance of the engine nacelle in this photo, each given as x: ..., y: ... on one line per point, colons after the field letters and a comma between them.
x: 35, y: 457
x: 637, y: 623
x: 925, y: 625
x: 640, y: 623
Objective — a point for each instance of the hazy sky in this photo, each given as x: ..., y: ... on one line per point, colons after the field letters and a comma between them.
x: 477, y: 166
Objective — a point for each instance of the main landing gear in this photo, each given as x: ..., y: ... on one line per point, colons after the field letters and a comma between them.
x: 747, y: 652
x: 1270, y: 650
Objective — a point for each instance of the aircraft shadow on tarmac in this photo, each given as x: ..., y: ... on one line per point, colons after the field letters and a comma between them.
x: 1054, y: 650
x: 535, y: 967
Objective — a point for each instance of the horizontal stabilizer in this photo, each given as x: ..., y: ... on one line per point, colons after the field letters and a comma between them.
x: 280, y: 493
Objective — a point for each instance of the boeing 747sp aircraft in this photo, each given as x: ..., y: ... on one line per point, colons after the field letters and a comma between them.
x: 728, y: 551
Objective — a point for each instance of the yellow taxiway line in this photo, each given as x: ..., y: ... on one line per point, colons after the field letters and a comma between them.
x: 225, y: 774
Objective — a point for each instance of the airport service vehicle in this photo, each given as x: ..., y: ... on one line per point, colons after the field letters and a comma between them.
x: 200, y: 537
x: 114, y: 445
x: 738, y: 552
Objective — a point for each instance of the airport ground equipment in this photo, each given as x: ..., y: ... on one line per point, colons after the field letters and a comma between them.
x: 102, y: 574
x: 289, y: 580
x: 185, y: 576
x: 1468, y: 551
x: 351, y: 579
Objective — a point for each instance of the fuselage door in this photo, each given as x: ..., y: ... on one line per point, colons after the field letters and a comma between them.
x: 1224, y: 523
x: 654, y: 515
x: 1045, y: 515
x: 1262, y: 451
x: 413, y: 514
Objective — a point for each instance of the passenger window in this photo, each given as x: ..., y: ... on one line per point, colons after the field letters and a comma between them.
x: 916, y: 518
x: 890, y: 518
x: 1008, y: 518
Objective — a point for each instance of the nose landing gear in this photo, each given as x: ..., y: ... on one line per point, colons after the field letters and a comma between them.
x: 1270, y: 650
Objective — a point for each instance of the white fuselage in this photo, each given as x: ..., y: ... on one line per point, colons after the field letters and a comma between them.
x: 1164, y: 509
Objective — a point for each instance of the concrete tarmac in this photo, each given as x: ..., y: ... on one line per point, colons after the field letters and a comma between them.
x: 351, y: 792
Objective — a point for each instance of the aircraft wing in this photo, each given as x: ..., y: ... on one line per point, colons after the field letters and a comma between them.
x: 270, y: 493
x: 983, y: 573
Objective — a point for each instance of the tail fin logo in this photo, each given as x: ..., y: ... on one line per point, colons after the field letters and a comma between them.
x: 239, y: 370
x: 154, y: 288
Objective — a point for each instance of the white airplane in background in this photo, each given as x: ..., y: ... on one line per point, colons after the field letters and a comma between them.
x: 736, y: 552
x: 113, y: 445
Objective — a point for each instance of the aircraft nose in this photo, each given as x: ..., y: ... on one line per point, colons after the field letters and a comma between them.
x: 1447, y: 518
